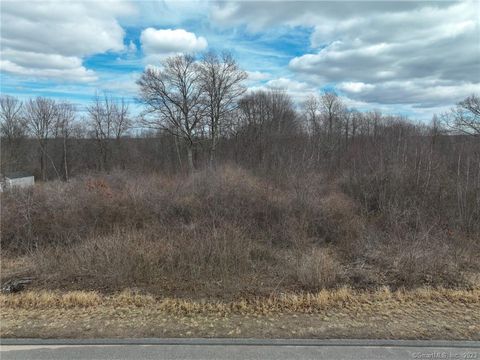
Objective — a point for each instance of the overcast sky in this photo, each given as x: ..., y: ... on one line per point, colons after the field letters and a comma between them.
x: 410, y: 57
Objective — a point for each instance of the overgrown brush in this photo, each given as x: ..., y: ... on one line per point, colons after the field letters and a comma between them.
x: 59, y: 213
x: 219, y: 233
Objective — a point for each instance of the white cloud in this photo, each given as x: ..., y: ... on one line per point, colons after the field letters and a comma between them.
x: 160, y: 43
x: 415, y: 53
x: 166, y: 13
x: 258, y: 76
x: 288, y: 84
x: 51, y: 38
x: 298, y: 90
x: 411, y: 92
x: 354, y: 87
x: 261, y: 15
x: 41, y: 61
x: 79, y: 73
x: 377, y: 60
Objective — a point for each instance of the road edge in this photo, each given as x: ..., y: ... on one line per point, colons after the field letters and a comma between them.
x: 245, y: 342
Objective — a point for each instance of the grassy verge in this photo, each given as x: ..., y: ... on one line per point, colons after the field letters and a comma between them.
x: 421, y: 313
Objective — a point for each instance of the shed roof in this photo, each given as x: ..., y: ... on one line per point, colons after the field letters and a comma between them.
x: 17, y: 174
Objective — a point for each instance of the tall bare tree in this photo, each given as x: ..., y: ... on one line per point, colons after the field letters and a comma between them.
x: 311, y: 110
x: 64, y: 126
x: 331, y: 106
x: 101, y: 114
x: 356, y: 119
x: 221, y: 81
x: 121, y: 119
x: 12, y: 129
x: 173, y: 96
x: 109, y: 119
x: 41, y: 115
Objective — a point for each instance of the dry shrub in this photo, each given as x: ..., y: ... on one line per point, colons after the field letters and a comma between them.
x: 408, y: 259
x: 319, y: 269
x: 59, y: 213
x: 421, y: 263
x: 343, y: 226
x: 120, y: 257
x: 228, y: 228
x: 63, y: 213
x: 156, y: 257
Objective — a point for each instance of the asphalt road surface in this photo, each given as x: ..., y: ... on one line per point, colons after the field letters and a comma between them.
x: 236, y: 349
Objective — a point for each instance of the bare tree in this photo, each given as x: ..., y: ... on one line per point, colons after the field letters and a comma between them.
x: 356, y: 119
x: 12, y: 128
x: 265, y: 120
x: 331, y: 107
x: 101, y: 115
x: 435, y: 129
x: 41, y: 115
x: 64, y: 126
x: 122, y: 123
x: 348, y: 115
x: 376, y: 117
x: 311, y: 109
x: 121, y: 119
x: 465, y: 117
x: 173, y: 96
x: 109, y: 119
x: 221, y: 81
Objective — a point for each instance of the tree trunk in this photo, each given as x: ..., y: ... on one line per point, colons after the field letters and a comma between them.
x: 190, y: 158
x: 213, y: 145
x: 43, y: 160
x: 43, y: 167
x: 65, y: 163
x: 346, y: 134
x: 213, y: 153
x: 177, y: 150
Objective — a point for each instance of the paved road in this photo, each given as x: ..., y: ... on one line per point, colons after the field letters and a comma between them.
x: 236, y: 349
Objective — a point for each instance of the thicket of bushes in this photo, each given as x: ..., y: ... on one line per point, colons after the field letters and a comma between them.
x: 225, y: 232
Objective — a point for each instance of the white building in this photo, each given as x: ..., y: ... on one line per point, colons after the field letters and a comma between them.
x: 17, y: 180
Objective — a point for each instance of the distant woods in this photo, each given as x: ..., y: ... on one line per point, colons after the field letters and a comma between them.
x: 197, y: 113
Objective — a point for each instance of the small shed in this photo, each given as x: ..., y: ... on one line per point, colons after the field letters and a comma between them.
x: 18, y: 180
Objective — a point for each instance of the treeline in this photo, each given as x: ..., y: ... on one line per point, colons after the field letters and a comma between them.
x: 264, y: 130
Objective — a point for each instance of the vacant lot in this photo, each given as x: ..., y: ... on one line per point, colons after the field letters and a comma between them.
x: 228, y: 253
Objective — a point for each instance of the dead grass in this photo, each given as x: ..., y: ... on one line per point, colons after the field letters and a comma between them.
x: 47, y: 299
x: 283, y: 303
x: 319, y: 269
